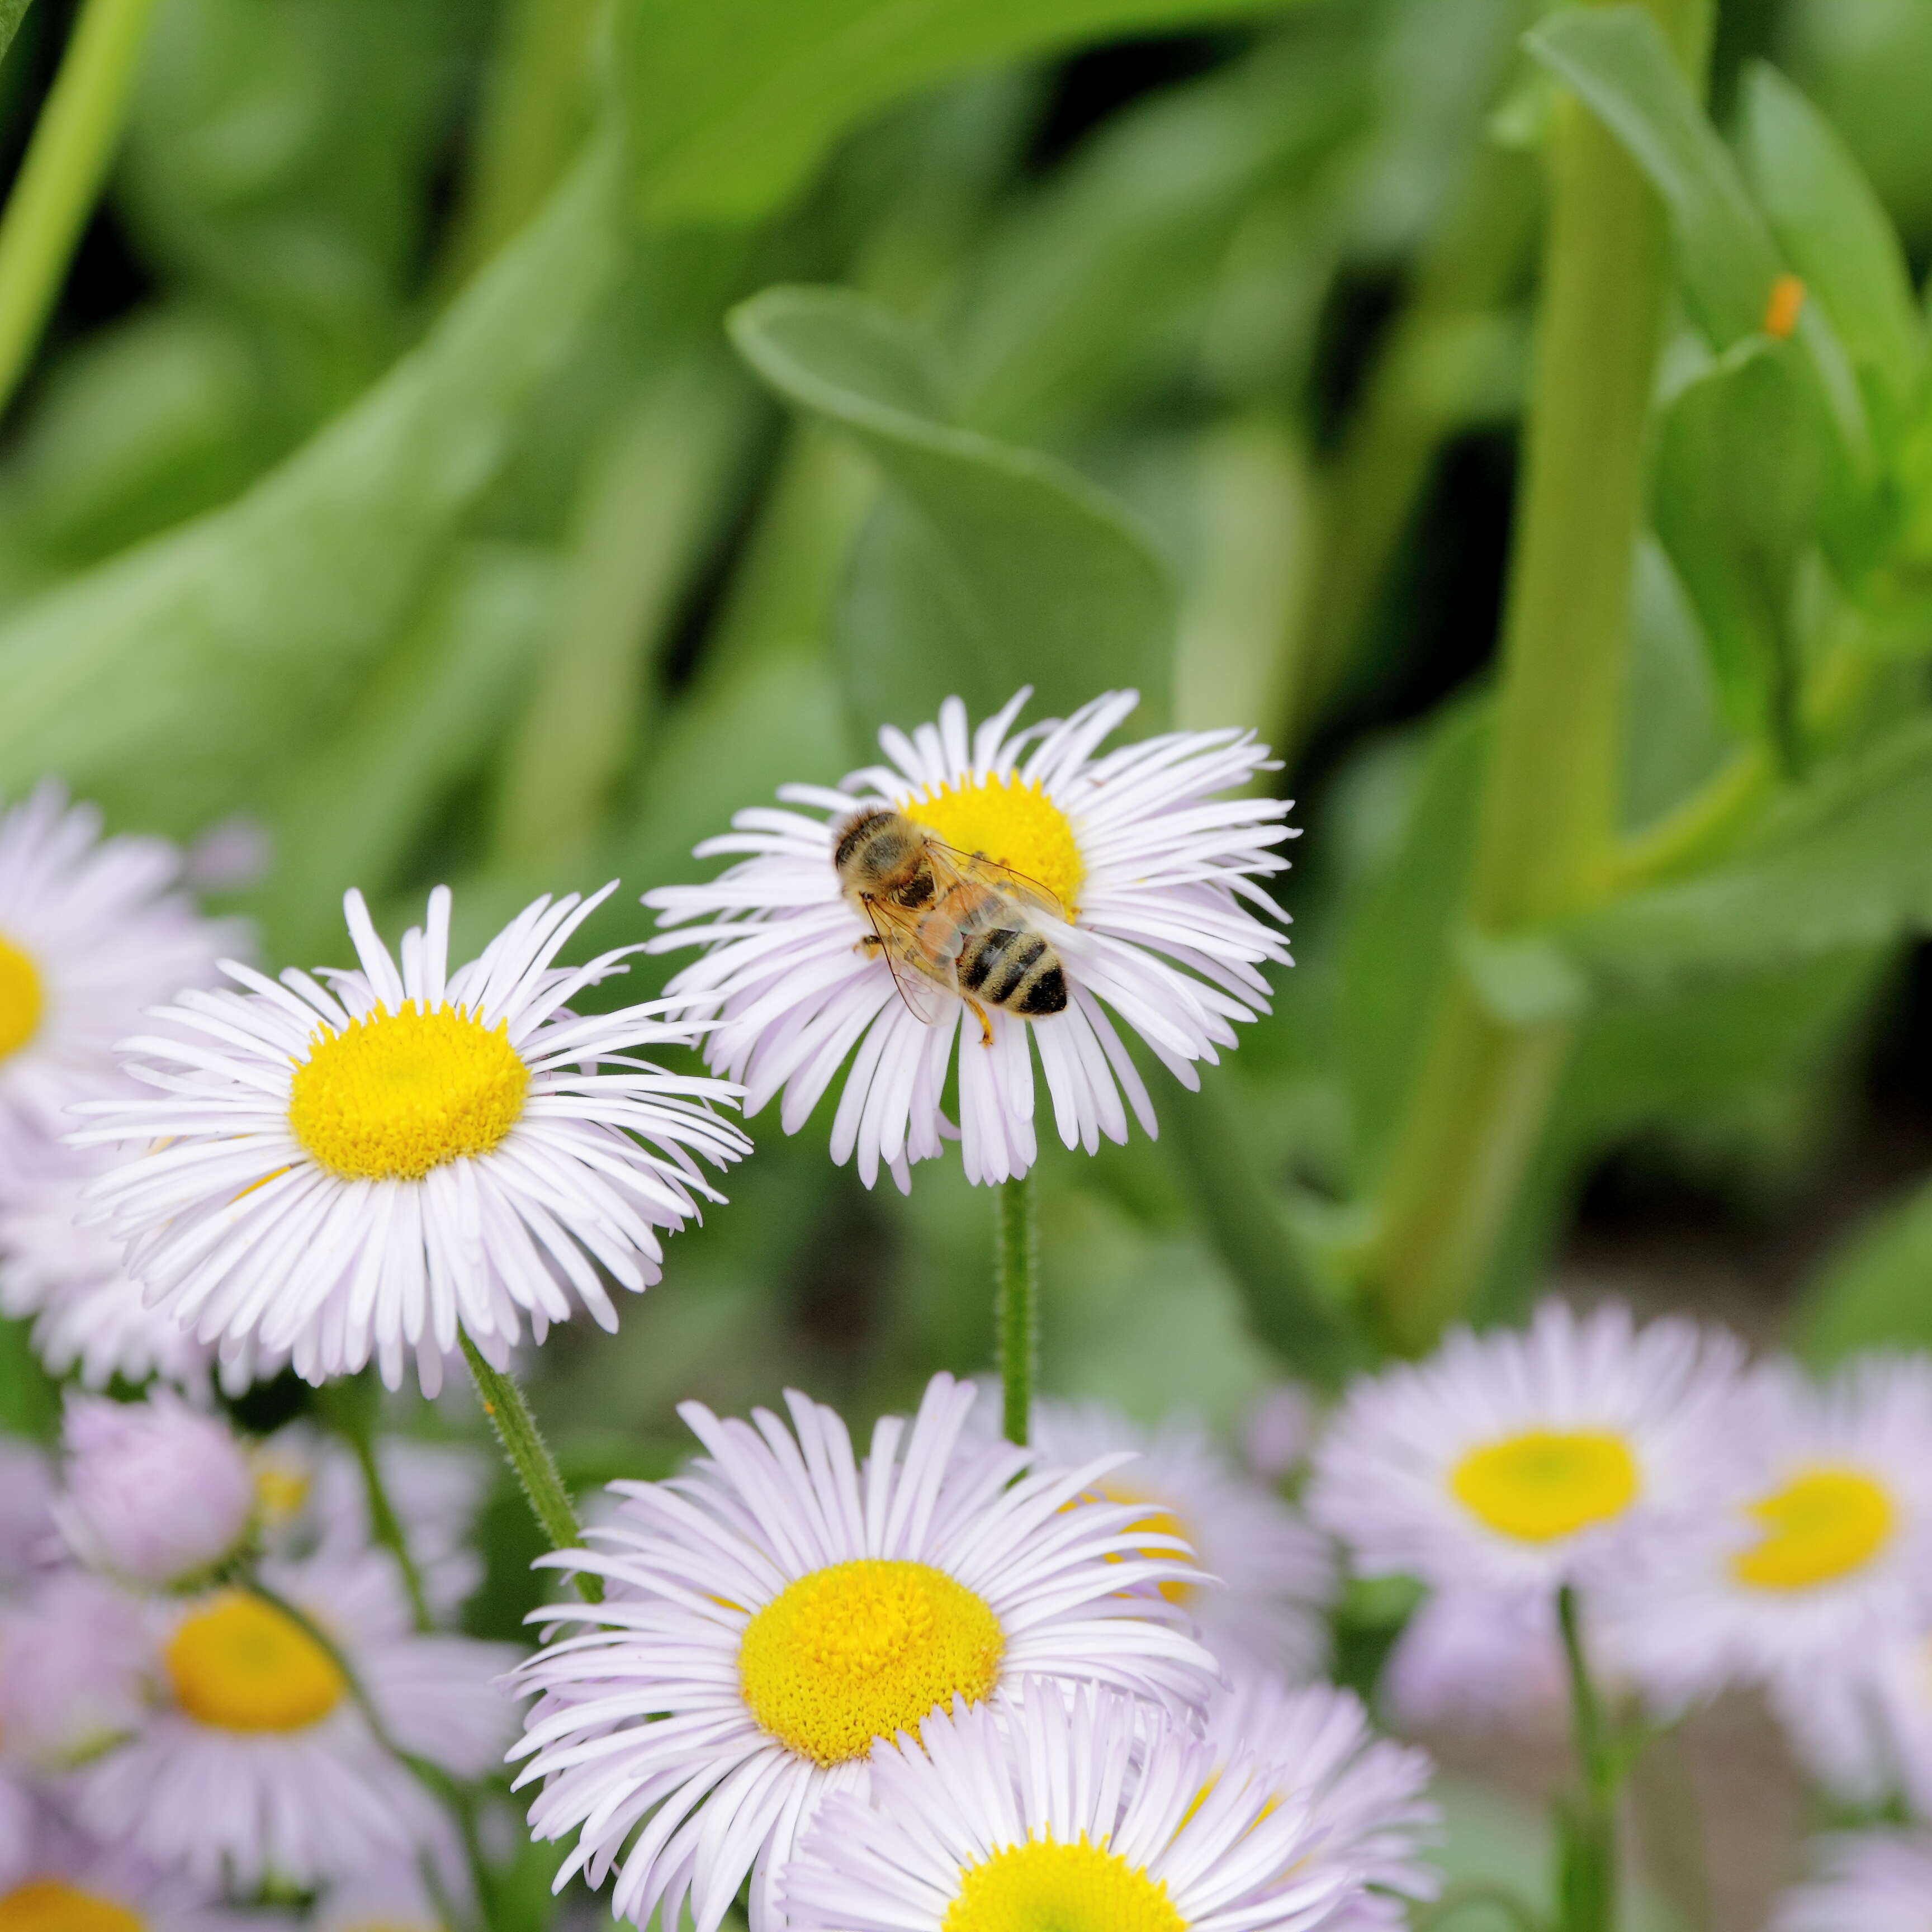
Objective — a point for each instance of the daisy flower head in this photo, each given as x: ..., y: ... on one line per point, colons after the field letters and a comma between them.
x: 1312, y: 1744
x: 1518, y: 1459
x: 782, y: 1607
x: 1273, y: 1573
x: 1860, y: 1720
x: 1828, y: 1554
x: 362, y: 1168
x: 1003, y: 889
x: 157, y: 1494
x: 91, y: 933
x: 1088, y: 1811
x: 74, y: 1655
x: 1874, y: 1881
x: 256, y: 1762
x: 70, y: 1280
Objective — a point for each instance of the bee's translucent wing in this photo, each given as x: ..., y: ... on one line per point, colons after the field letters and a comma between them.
x: 977, y: 866
x: 919, y: 982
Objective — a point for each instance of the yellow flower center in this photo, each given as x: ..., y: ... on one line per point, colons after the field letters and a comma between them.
x: 1159, y: 1521
x: 864, y: 1650
x: 1821, y: 1525
x: 1042, y: 1886
x: 280, y: 1493
x: 393, y: 1095
x: 22, y: 1001
x: 1546, y: 1483
x: 52, y: 1905
x: 1015, y: 824
x: 242, y: 1665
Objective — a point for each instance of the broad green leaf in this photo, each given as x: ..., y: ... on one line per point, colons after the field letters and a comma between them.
x: 1742, y: 462
x: 354, y: 811
x: 174, y: 682
x: 1674, y: 734
x: 12, y: 12
x: 986, y: 567
x: 1834, y: 232
x: 733, y: 102
x: 1617, y: 59
x: 1845, y: 860
x: 1875, y: 1289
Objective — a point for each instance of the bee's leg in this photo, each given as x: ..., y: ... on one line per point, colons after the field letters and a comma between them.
x: 985, y: 1025
x: 867, y: 943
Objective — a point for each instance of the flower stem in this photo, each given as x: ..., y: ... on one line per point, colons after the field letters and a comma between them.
x: 1587, y: 1825
x: 60, y: 180
x: 349, y: 1406
x: 1016, y: 1303
x: 1546, y: 830
x: 529, y: 1456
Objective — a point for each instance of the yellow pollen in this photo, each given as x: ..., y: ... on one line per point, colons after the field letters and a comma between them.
x: 242, y: 1665
x: 1545, y: 1484
x: 396, y: 1094
x: 1042, y: 1886
x: 1783, y: 307
x: 1015, y: 824
x: 1822, y: 1525
x: 22, y: 1001
x: 864, y: 1650
x: 52, y: 1905
x: 1159, y: 1521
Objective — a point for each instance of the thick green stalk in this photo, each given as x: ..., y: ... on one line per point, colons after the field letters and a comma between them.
x: 1587, y: 1825
x: 348, y: 1405
x: 529, y: 1456
x: 1545, y: 839
x: 1016, y: 1303
x: 60, y: 180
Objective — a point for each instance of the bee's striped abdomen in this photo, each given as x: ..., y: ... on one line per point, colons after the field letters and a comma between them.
x: 1016, y: 969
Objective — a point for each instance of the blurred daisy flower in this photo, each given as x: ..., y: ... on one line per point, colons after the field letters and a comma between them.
x: 74, y: 1653
x: 359, y: 1169
x: 1479, y: 1658
x: 1126, y: 879
x: 1860, y: 1720
x: 255, y: 1762
x: 1829, y: 1556
x: 771, y: 1614
x: 1311, y: 1745
x: 1866, y: 1882
x: 1514, y: 1459
x: 1273, y: 1574
x: 1095, y: 1814
x: 92, y: 934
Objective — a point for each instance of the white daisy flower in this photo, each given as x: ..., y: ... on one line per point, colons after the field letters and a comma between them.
x: 1479, y: 1658
x: 60, y: 1879
x: 1518, y: 1459
x: 774, y: 1611
x: 1829, y: 1555
x: 1311, y: 1745
x: 1860, y: 1720
x: 89, y: 1315
x: 73, y: 1662
x: 1866, y: 1882
x: 255, y: 1763
x: 1133, y: 866
x: 92, y: 934
x: 1103, y: 1814
x: 1274, y: 1573
x: 358, y: 1169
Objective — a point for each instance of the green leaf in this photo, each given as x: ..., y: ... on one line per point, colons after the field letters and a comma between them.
x: 733, y: 102
x: 1742, y: 458
x: 1844, y: 861
x: 12, y: 12
x: 1617, y: 59
x: 1875, y: 1289
x: 174, y: 682
x: 1836, y: 233
x: 986, y: 567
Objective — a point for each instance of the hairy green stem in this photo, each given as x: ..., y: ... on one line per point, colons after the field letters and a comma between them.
x: 1546, y: 828
x: 60, y: 180
x: 349, y: 1406
x: 1016, y: 1303
x: 529, y: 1456
x: 1587, y: 1825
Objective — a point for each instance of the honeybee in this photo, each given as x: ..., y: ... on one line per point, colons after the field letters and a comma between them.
x: 948, y: 920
